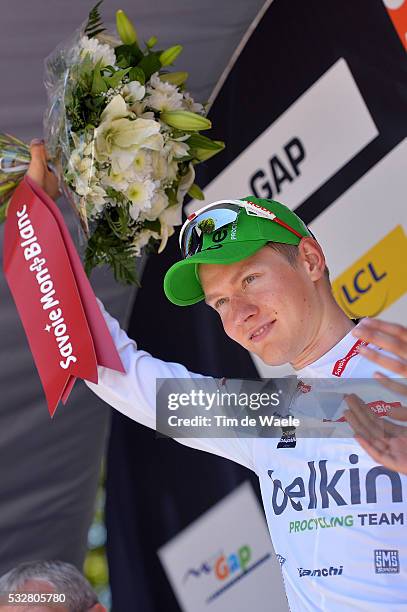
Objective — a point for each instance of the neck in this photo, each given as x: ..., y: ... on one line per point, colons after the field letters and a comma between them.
x: 333, y: 326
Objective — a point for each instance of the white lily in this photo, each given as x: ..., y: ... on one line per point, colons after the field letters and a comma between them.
x: 175, y: 149
x: 96, y: 196
x: 142, y: 239
x: 140, y: 194
x: 119, y: 139
x: 190, y: 105
x: 116, y: 109
x: 160, y: 166
x: 171, y: 216
x: 159, y: 203
x: 119, y: 181
x: 133, y: 92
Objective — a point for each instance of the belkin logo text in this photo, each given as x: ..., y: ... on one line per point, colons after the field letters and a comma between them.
x: 320, y: 491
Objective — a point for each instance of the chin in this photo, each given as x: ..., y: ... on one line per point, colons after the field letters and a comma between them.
x: 269, y: 357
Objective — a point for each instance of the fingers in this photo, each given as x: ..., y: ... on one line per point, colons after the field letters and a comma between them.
x: 388, y: 336
x: 390, y: 329
x: 37, y: 149
x: 38, y: 169
x: 38, y: 163
x: 377, y: 455
x: 394, y: 365
x: 392, y: 384
x: 359, y: 416
x: 399, y: 413
x: 366, y: 424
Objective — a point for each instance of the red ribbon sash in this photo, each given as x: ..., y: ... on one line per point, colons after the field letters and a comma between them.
x: 67, y: 334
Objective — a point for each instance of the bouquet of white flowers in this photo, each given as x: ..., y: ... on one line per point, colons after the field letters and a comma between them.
x: 123, y: 137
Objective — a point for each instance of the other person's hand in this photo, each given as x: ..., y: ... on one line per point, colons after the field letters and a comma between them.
x: 384, y: 441
x: 38, y: 170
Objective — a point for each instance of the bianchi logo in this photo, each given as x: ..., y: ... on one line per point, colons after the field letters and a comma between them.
x: 324, y: 571
x: 386, y: 561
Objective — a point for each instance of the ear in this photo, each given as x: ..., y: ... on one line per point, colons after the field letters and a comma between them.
x: 312, y: 257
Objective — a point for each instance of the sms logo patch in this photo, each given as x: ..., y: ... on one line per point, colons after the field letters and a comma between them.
x: 386, y: 561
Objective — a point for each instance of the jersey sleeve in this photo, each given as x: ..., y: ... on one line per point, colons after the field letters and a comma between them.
x: 134, y: 393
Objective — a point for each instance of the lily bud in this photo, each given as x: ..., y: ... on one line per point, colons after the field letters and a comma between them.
x: 175, y: 78
x: 185, y: 120
x: 196, y: 193
x: 204, y: 154
x: 152, y: 42
x: 203, y: 148
x: 125, y: 28
x: 169, y: 56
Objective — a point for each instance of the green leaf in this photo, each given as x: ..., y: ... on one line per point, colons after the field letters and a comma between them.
x: 150, y: 64
x: 124, y: 270
x: 171, y: 194
x: 128, y: 55
x: 98, y: 83
x: 94, y: 23
x: 197, y: 141
x: 114, y: 80
x: 137, y: 74
x: 104, y: 247
x: 195, y: 192
x: 154, y: 226
x: 204, y: 148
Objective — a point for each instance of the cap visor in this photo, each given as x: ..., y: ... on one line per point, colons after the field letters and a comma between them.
x: 181, y: 285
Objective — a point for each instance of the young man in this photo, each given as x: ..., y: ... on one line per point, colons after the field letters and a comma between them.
x: 335, y: 516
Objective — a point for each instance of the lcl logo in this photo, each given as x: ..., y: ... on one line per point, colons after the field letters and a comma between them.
x: 377, y: 279
x: 362, y: 282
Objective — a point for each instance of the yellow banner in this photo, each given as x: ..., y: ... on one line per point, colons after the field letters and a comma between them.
x: 376, y: 280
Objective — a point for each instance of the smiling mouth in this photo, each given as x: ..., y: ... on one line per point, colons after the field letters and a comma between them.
x: 261, y: 332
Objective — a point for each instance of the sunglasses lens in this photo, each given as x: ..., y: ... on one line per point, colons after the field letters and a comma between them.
x: 206, y: 223
x: 194, y: 242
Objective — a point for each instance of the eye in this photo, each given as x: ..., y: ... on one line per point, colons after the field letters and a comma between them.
x: 219, y: 303
x: 249, y: 279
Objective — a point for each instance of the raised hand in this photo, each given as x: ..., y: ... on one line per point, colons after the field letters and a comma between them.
x: 385, y: 441
x: 391, y: 337
x: 38, y: 170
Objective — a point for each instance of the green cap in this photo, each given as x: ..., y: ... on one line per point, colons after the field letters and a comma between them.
x: 231, y: 243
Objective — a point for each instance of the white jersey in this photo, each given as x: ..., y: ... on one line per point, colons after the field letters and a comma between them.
x: 336, y: 518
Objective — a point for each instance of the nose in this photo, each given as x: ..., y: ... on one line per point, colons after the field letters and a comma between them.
x: 242, y: 310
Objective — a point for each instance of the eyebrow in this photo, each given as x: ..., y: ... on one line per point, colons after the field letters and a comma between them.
x: 237, y: 275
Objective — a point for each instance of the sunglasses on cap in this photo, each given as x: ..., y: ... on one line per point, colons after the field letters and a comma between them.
x: 216, y: 215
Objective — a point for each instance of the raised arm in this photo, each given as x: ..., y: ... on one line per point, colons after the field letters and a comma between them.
x: 134, y: 393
